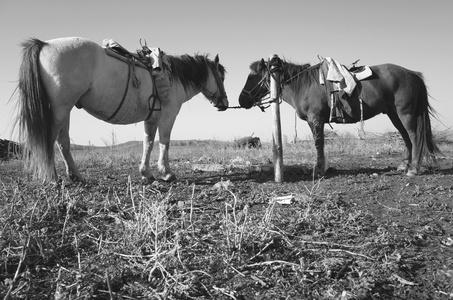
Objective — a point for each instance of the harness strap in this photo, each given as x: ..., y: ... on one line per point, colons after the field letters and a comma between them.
x: 129, y: 63
x: 155, y: 97
x: 361, y: 113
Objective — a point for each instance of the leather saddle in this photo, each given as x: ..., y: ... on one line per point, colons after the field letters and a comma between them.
x: 140, y: 58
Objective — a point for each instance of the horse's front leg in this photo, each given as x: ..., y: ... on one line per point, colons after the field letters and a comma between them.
x: 63, y: 143
x: 165, y: 126
x: 148, y: 143
x: 163, y: 164
x: 317, y: 129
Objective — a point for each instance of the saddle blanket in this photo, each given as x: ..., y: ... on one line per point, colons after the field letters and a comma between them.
x: 341, y: 78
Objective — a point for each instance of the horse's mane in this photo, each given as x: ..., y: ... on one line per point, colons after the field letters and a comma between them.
x: 298, y: 76
x: 294, y: 75
x: 192, y: 71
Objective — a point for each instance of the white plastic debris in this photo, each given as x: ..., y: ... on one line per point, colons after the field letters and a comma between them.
x: 285, y: 200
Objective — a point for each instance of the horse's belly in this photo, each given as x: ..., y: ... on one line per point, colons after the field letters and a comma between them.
x: 119, y: 100
x: 132, y: 109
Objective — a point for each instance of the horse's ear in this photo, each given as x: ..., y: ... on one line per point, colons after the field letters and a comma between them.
x: 262, y: 64
x: 216, y: 59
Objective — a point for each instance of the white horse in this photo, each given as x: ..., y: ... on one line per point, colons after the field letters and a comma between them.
x: 59, y: 74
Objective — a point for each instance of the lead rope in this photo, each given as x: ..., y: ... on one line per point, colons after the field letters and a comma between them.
x: 362, y: 123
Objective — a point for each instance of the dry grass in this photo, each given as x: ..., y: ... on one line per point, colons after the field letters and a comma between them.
x: 222, y: 236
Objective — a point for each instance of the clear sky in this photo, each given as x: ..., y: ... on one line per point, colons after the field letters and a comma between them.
x: 411, y: 33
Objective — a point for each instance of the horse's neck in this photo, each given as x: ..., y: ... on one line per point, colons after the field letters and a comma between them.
x: 289, y: 95
x: 309, y: 88
x: 185, y: 94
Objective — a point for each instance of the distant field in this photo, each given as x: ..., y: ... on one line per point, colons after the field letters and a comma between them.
x: 226, y: 230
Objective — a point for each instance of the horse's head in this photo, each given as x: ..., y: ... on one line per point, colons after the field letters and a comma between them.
x: 214, y: 89
x: 256, y: 86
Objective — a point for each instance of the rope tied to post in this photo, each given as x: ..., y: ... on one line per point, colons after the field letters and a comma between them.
x: 274, y: 67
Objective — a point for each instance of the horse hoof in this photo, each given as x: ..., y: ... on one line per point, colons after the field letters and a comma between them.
x: 412, y: 173
x: 402, y: 168
x: 148, y: 180
x: 318, y: 175
x: 76, y: 178
x: 169, y: 178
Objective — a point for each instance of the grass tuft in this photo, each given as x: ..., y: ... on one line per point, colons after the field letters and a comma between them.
x: 357, y: 234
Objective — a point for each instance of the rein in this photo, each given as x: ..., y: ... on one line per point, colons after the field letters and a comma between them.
x: 280, y: 85
x: 297, y: 75
x: 265, y: 81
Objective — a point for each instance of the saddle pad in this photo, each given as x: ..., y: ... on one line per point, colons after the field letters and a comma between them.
x: 338, y: 75
x: 363, y: 74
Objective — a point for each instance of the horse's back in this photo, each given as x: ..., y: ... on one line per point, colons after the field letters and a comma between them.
x: 69, y: 61
x: 65, y: 55
x: 395, y: 74
x: 70, y: 41
x: 393, y: 81
x: 62, y: 48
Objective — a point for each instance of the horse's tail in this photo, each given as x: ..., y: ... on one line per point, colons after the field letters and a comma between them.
x: 35, y: 114
x: 427, y: 147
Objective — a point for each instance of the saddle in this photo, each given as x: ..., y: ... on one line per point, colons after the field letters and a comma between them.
x: 340, y: 83
x: 154, y: 60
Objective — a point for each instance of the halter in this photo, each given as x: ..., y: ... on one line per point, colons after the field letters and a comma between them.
x: 265, y: 81
x: 220, y: 90
x: 262, y: 83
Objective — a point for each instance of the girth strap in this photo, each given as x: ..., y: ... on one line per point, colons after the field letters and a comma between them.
x: 131, y: 61
x: 129, y: 65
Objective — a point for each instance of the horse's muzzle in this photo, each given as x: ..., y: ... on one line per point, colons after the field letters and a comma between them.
x: 221, y: 108
x: 222, y: 104
x: 245, y: 101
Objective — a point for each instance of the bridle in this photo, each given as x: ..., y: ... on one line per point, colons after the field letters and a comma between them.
x: 220, y: 94
x: 265, y: 83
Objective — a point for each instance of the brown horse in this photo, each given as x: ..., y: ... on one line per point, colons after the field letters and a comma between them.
x: 393, y: 90
x: 59, y: 74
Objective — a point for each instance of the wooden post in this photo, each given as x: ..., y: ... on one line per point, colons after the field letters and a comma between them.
x: 275, y: 68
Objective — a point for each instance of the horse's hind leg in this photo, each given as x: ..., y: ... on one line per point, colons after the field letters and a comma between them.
x: 148, y: 143
x: 409, y: 146
x: 63, y: 143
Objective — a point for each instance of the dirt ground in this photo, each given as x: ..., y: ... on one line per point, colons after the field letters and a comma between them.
x: 406, y: 233
x: 365, y: 231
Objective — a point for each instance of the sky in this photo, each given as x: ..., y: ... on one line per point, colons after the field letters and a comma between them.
x: 412, y: 33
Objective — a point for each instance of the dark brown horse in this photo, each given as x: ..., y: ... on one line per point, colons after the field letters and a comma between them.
x: 393, y: 90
